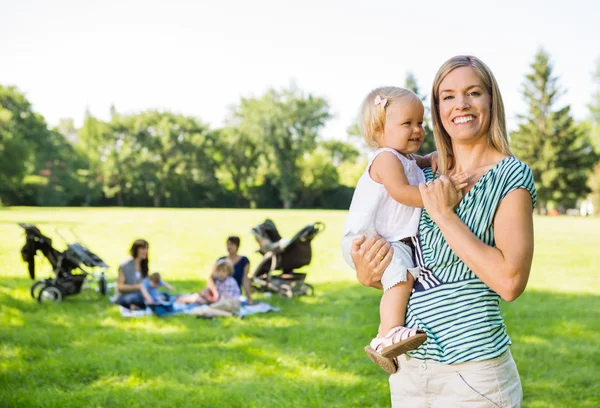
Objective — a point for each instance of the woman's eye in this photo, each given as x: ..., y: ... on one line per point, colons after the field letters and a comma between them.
x: 475, y: 93
x: 447, y: 97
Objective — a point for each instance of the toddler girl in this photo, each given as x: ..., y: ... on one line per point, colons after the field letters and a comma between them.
x: 387, y: 202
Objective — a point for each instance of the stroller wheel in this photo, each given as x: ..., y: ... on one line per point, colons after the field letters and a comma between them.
x: 36, y: 288
x: 50, y: 293
x: 285, y: 290
x: 308, y: 289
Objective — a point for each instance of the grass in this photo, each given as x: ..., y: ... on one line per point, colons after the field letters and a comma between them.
x: 82, y: 353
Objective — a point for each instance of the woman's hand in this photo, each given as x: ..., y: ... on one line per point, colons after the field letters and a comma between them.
x: 371, y: 257
x: 440, y: 197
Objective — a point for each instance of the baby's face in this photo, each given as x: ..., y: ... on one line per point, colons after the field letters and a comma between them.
x: 222, y: 274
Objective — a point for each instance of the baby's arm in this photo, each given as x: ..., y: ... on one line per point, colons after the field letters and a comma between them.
x: 166, y: 285
x: 388, y: 170
x: 429, y: 160
x: 146, y: 294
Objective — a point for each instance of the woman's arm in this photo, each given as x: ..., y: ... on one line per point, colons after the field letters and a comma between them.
x: 504, y: 268
x: 122, y: 287
x: 210, y: 282
x: 246, y: 283
x: 371, y: 256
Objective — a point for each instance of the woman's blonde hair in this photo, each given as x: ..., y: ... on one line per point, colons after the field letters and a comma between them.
x: 226, y: 265
x: 497, y: 137
x: 372, y: 117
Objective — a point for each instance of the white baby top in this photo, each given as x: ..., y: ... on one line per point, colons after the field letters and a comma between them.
x: 373, y: 210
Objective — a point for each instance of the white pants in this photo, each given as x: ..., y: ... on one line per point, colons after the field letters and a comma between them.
x: 402, y: 262
x: 424, y: 383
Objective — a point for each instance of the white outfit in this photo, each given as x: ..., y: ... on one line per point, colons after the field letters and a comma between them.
x: 373, y: 211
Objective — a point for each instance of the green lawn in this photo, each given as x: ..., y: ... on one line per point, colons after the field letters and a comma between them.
x: 82, y: 353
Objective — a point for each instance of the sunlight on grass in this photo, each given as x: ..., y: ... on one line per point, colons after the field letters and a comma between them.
x: 142, y: 325
x: 81, y: 352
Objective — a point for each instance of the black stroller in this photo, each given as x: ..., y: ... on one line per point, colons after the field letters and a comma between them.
x: 284, y: 255
x: 63, y: 264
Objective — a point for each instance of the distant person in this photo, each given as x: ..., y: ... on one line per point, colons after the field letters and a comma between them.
x: 223, y: 298
x: 387, y: 202
x: 150, y: 286
x: 241, y: 266
x: 131, y: 272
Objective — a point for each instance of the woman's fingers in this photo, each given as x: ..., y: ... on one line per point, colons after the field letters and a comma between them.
x: 357, y: 242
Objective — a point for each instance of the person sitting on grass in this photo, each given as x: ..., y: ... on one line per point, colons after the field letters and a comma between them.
x: 150, y: 287
x: 223, y: 298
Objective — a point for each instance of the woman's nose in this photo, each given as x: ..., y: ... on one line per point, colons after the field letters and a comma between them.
x: 462, y: 103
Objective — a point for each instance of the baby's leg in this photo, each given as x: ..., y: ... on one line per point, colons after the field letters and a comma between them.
x: 392, y: 309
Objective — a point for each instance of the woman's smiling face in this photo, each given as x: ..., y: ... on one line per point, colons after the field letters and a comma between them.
x: 464, y: 105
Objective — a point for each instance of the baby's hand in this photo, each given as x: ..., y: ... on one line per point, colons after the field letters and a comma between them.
x: 460, y: 180
x: 433, y: 156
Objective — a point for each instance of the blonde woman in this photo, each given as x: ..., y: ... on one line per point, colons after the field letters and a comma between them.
x: 474, y: 248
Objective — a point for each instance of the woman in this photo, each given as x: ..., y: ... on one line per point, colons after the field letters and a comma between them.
x: 474, y: 247
x: 241, y: 265
x: 131, y: 273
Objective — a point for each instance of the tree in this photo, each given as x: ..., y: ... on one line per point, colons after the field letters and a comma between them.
x: 91, y: 138
x: 339, y: 151
x: 559, y: 154
x: 239, y: 157
x: 593, y: 126
x: 286, y: 124
x: 429, y: 142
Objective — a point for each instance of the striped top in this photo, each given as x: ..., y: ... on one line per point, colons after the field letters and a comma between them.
x: 460, y: 313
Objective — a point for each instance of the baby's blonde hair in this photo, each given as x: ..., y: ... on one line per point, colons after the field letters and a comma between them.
x: 372, y: 117
x: 226, y: 265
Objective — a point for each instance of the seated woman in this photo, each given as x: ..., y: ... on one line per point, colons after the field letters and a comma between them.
x: 241, y: 265
x: 131, y: 273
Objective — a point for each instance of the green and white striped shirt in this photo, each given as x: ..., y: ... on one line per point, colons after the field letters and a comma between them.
x: 460, y: 313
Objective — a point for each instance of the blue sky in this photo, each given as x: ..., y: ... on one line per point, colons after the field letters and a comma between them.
x: 199, y: 57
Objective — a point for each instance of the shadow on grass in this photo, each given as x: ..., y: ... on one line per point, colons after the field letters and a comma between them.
x: 309, y: 354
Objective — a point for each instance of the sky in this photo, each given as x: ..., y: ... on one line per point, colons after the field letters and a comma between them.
x: 200, y: 57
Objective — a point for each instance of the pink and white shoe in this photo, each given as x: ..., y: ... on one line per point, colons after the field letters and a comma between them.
x: 384, y: 350
x: 398, y: 341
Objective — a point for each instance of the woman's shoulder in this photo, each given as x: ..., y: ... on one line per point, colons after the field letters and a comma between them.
x: 514, y: 170
x: 511, y: 174
x: 126, y: 262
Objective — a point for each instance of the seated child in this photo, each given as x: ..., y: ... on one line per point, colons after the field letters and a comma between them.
x: 224, y: 298
x: 150, y: 287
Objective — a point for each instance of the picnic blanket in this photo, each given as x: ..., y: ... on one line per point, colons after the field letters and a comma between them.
x: 182, y: 308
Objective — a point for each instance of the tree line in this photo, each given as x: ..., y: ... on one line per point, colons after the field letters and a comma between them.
x: 269, y: 153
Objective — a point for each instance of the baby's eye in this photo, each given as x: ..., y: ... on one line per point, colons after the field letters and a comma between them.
x: 406, y: 124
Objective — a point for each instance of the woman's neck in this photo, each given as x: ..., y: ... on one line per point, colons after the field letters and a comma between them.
x: 468, y: 157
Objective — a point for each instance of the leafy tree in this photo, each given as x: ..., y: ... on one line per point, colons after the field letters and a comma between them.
x: 339, y: 151
x: 559, y: 153
x: 593, y: 126
x: 19, y: 129
x: 429, y: 142
x: 287, y: 123
x: 239, y: 157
